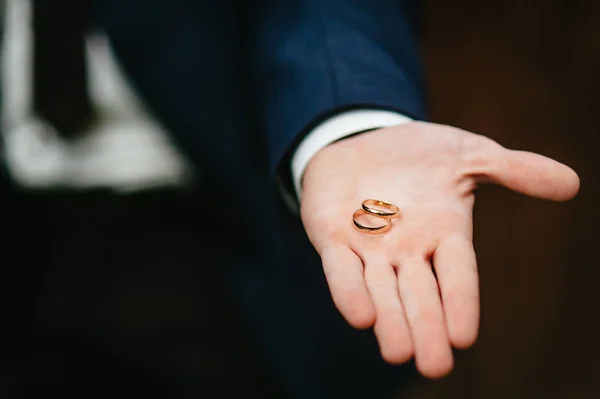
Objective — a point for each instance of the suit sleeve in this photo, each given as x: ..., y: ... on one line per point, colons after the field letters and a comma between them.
x: 316, y: 58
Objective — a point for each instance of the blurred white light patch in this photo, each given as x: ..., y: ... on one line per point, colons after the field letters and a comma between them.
x: 126, y: 150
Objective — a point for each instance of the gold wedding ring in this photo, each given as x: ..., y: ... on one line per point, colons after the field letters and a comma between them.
x: 380, y: 208
x: 387, y: 223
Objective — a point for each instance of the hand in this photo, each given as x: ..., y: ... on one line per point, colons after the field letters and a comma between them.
x: 386, y: 281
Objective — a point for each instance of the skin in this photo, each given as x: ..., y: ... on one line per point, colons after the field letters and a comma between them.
x: 387, y: 281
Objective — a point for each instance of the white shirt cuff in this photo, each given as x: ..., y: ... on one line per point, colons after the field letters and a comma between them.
x: 335, y: 128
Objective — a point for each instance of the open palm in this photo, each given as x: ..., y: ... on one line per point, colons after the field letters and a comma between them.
x: 416, y: 284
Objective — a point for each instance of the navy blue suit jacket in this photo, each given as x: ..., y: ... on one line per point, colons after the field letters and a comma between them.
x: 238, y: 84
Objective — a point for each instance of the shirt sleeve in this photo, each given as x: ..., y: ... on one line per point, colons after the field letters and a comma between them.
x: 335, y: 128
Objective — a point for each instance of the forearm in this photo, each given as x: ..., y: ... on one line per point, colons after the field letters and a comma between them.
x: 314, y: 59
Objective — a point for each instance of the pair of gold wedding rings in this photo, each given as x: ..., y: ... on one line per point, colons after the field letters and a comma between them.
x: 382, y: 210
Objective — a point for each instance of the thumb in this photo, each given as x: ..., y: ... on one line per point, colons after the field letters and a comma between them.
x: 531, y: 174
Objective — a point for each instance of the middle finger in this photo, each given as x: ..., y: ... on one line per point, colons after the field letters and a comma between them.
x: 420, y: 295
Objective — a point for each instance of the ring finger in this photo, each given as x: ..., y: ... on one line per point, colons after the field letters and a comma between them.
x: 390, y: 327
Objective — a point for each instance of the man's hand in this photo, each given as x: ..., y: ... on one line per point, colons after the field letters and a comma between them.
x: 387, y: 281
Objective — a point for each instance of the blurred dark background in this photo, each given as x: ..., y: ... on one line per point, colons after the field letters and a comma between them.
x: 526, y: 73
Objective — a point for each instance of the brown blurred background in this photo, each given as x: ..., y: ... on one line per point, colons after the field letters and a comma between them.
x: 526, y: 73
